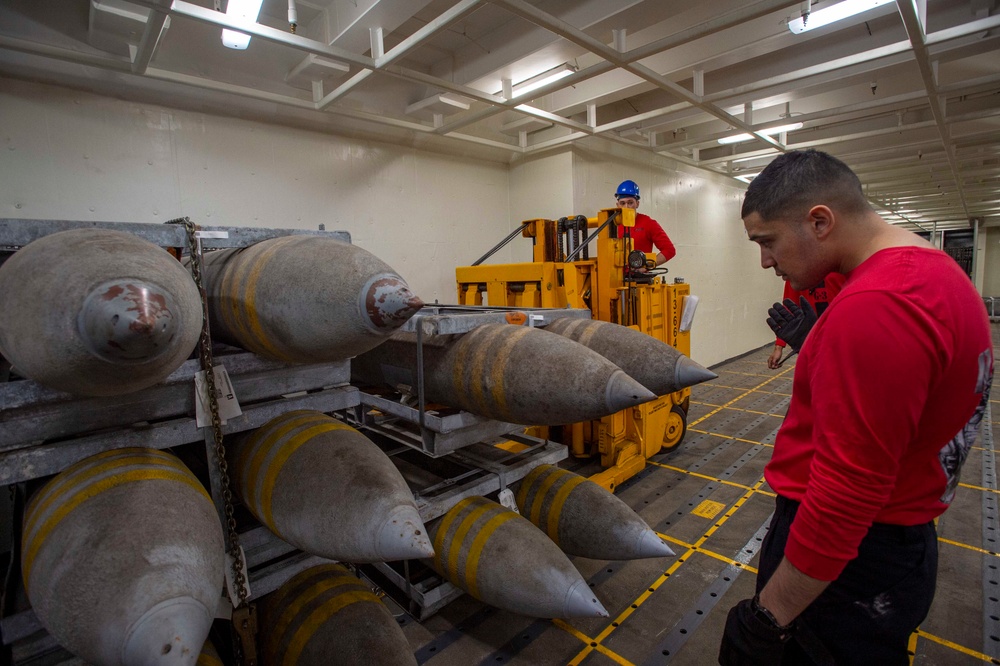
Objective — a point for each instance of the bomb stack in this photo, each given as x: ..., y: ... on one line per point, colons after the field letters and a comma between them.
x: 122, y: 552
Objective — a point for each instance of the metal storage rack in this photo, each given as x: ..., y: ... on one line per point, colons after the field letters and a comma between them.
x: 44, y: 431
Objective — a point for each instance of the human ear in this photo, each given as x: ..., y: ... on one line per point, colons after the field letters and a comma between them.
x: 821, y: 221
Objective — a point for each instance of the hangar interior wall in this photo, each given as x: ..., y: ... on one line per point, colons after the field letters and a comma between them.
x: 74, y: 155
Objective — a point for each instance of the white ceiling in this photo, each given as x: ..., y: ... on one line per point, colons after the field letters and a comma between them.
x: 908, y: 94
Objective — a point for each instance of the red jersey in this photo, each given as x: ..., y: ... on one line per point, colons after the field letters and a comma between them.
x: 889, y: 390
x: 648, y: 232
x: 819, y: 297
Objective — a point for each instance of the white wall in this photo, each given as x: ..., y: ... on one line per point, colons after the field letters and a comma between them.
x: 701, y: 214
x: 73, y: 155
x: 541, y: 187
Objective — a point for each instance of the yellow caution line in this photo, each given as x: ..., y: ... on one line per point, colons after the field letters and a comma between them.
x: 735, y: 439
x: 972, y: 487
x: 745, y: 374
x: 583, y: 638
x: 954, y: 646
x: 738, y: 409
x: 624, y: 615
x: 711, y: 478
x: 966, y: 546
x: 709, y: 553
x: 702, y: 388
x: 740, y: 397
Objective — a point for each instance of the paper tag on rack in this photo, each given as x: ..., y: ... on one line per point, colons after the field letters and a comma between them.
x: 506, y: 498
x: 229, y: 407
x: 211, y: 234
x: 234, y: 596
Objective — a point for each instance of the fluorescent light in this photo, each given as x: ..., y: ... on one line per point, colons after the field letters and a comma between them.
x: 747, y: 177
x: 545, y: 78
x: 770, y: 131
x: 833, y: 13
x: 243, y: 10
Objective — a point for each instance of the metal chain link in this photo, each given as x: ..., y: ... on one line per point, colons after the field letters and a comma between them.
x: 205, y: 356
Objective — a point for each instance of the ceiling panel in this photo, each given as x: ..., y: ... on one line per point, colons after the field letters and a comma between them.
x: 907, y: 93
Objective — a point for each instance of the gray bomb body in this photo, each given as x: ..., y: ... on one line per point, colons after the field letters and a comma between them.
x: 501, y: 559
x: 327, y: 489
x: 654, y: 364
x: 583, y: 518
x: 516, y: 374
x: 326, y: 616
x: 304, y: 299
x: 97, y: 312
x: 123, y: 559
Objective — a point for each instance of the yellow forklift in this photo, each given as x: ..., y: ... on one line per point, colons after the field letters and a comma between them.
x: 619, y: 285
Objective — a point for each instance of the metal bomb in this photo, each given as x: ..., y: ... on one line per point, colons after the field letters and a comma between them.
x: 97, y: 312
x: 501, y: 559
x: 327, y: 489
x: 516, y: 374
x: 583, y: 518
x: 304, y: 299
x: 654, y: 364
x: 123, y: 559
x: 326, y: 616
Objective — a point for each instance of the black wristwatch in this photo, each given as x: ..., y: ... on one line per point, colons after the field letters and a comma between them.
x: 781, y: 632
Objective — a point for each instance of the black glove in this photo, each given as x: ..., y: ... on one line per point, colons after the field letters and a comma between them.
x: 792, y: 322
x: 752, y: 636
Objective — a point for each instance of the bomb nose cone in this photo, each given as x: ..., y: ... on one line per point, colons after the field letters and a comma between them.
x: 624, y: 392
x: 404, y: 537
x: 128, y: 320
x: 389, y: 302
x: 581, y: 602
x: 171, y: 632
x: 688, y: 373
x: 650, y: 545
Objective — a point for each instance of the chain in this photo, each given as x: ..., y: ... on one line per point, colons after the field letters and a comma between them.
x: 205, y: 356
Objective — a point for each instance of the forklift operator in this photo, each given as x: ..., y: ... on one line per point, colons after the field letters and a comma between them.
x: 647, y: 232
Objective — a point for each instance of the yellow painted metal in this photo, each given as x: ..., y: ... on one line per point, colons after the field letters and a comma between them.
x: 624, y: 440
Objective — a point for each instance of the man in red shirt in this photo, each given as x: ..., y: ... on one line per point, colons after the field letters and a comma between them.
x: 818, y: 297
x: 889, y: 391
x: 647, y: 232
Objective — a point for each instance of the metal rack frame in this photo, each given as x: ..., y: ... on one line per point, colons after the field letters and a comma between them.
x: 43, y: 431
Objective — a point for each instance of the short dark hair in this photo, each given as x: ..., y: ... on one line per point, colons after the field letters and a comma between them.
x: 800, y: 179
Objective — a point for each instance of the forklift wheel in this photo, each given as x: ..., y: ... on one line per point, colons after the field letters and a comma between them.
x: 673, y: 435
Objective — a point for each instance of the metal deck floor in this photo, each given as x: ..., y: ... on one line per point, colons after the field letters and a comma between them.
x: 708, y: 499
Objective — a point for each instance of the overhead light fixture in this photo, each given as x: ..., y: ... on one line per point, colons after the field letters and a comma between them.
x: 243, y: 10
x: 832, y: 14
x: 545, y: 78
x: 747, y: 177
x: 770, y: 131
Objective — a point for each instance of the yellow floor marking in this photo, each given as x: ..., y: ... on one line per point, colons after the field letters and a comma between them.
x: 710, y: 478
x: 708, y: 509
x: 738, y: 409
x: 966, y: 546
x: 740, y: 397
x: 683, y: 557
x: 735, y: 439
x: 614, y: 656
x: 985, y: 490
x: 954, y: 646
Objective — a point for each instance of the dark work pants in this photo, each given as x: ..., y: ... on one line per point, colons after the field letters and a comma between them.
x: 866, y: 616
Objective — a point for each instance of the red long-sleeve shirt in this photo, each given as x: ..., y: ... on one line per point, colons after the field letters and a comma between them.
x: 889, y: 390
x: 648, y: 232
